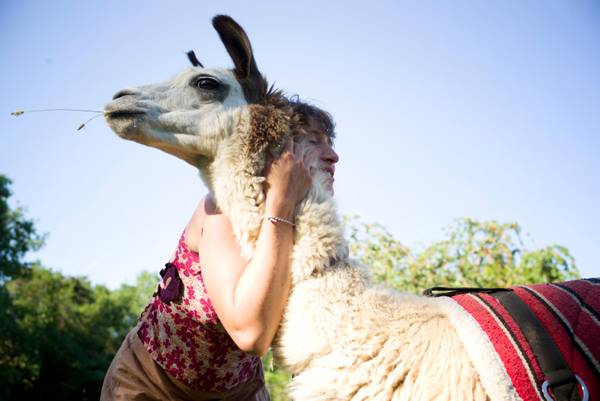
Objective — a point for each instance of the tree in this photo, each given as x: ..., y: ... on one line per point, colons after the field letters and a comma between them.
x: 478, y: 254
x: 17, y: 236
x: 135, y: 297
x: 58, y: 334
x: 71, y: 331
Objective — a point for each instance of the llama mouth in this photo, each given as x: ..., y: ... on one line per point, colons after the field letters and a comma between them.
x: 123, y: 114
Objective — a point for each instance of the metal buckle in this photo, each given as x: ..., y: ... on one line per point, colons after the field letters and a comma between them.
x: 584, y: 390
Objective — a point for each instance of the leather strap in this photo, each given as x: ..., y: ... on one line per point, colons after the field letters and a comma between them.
x: 452, y: 291
x: 561, y: 379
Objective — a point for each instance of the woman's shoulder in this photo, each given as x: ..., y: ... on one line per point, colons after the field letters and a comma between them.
x: 207, y: 220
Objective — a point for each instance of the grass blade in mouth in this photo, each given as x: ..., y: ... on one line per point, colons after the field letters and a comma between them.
x: 17, y: 113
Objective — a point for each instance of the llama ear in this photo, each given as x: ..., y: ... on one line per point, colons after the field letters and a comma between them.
x: 193, y: 59
x: 238, y: 46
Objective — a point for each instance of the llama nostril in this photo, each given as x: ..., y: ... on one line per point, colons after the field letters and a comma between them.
x: 125, y: 92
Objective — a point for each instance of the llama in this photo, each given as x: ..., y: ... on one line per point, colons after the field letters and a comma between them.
x: 341, y: 337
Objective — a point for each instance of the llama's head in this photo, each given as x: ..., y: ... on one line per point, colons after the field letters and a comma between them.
x: 227, y: 123
x: 189, y: 115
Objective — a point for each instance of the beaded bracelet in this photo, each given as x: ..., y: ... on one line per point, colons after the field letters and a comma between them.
x: 275, y: 219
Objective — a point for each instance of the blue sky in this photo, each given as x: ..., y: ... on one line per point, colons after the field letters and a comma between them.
x: 444, y: 109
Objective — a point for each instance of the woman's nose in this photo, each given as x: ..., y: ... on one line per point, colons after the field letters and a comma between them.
x: 330, y: 155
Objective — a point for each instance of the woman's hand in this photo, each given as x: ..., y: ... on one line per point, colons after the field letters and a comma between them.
x: 288, y: 179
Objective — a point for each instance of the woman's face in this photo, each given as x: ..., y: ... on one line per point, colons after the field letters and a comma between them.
x: 318, y: 152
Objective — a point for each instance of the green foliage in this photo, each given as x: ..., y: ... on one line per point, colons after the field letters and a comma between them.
x: 70, y: 331
x: 16, y: 367
x: 375, y: 247
x: 276, y: 379
x: 57, y: 334
x: 135, y: 297
x: 54, y: 314
x: 17, y: 236
x: 480, y: 254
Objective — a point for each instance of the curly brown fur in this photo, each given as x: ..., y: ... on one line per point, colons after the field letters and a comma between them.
x: 268, y: 126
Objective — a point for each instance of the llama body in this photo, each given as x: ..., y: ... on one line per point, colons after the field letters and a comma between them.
x: 359, y: 342
x: 343, y: 338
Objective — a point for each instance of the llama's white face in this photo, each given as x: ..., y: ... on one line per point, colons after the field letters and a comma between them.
x: 186, y: 116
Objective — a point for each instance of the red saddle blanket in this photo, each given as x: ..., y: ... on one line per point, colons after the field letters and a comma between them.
x: 569, y: 311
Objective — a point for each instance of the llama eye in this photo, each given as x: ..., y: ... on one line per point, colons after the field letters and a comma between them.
x: 206, y: 83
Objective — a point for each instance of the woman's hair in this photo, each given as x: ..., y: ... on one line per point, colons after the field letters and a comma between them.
x: 308, y: 112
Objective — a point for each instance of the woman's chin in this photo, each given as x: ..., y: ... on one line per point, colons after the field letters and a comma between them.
x: 325, y: 182
x: 329, y: 186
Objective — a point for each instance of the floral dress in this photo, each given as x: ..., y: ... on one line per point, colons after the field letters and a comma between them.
x: 182, y: 333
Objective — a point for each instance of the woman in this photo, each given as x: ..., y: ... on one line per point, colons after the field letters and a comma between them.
x: 215, y: 313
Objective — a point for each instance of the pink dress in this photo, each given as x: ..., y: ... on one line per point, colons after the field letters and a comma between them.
x: 183, y: 334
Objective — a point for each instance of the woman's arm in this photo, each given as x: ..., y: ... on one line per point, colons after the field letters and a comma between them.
x: 249, y: 296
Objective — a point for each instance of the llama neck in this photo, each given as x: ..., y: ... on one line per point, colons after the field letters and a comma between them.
x: 237, y: 183
x: 319, y: 236
x: 236, y: 172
